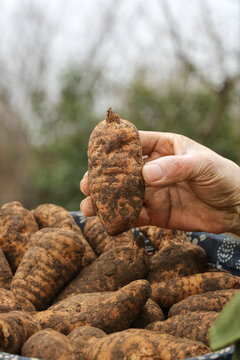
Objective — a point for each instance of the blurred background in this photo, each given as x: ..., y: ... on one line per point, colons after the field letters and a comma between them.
x: 165, y: 65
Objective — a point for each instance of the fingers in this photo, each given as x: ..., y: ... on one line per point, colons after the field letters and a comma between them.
x: 158, y: 143
x: 84, y: 187
x: 86, y: 206
x: 169, y: 170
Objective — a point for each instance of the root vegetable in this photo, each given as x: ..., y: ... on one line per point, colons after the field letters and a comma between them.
x: 160, y: 237
x: 123, y: 345
x: 169, y: 292
x: 172, y: 347
x: 82, y: 337
x: 192, y: 325
x: 109, y: 305
x: 5, y: 272
x: 109, y: 272
x: 95, y: 234
x: 85, y: 333
x: 52, y: 259
x: 150, y: 312
x: 125, y: 238
x: 15, y: 328
x: 137, y: 344
x: 55, y: 216
x: 177, y: 260
x: 51, y: 215
x: 115, y: 173
x: 109, y: 311
x: 48, y: 344
x: 209, y: 301
x: 17, y: 225
x: 100, y: 241
x: 9, y: 302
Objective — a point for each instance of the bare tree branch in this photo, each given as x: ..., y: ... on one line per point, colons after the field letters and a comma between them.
x: 91, y: 60
x: 180, y: 50
x: 210, y: 124
x: 214, y: 37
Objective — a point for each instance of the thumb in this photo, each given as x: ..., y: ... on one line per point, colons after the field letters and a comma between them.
x: 168, y: 170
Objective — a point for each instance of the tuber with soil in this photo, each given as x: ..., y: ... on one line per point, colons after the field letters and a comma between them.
x: 115, y: 163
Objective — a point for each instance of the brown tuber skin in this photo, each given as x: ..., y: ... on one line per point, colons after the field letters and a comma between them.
x: 172, y: 347
x: 169, y: 292
x: 121, y: 345
x: 55, y: 216
x: 95, y: 234
x: 109, y: 311
x: 49, y: 344
x: 161, y: 238
x: 17, y: 225
x: 51, y: 215
x: 100, y: 241
x: 112, y: 315
x: 15, y: 328
x: 138, y: 344
x: 10, y: 302
x: 109, y: 272
x: 150, y: 312
x: 177, y: 260
x: 5, y: 272
x: 208, y: 301
x: 115, y: 163
x: 53, y: 258
x: 81, y: 339
x: 192, y: 325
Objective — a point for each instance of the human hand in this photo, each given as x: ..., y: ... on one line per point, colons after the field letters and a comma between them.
x: 188, y: 186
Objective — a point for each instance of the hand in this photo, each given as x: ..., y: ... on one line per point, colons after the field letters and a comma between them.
x: 188, y: 186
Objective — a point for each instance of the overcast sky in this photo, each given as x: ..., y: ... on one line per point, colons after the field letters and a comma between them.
x: 79, y: 21
x: 136, y: 33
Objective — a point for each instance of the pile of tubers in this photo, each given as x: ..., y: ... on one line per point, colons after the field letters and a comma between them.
x: 96, y: 294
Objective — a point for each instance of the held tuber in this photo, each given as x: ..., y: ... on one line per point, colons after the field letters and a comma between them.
x: 115, y: 163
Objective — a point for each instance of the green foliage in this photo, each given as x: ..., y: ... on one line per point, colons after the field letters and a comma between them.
x: 56, y: 170
x: 225, y: 331
x: 197, y: 113
x: 58, y: 164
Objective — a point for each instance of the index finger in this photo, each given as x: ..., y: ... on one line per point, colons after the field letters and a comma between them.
x: 158, y: 143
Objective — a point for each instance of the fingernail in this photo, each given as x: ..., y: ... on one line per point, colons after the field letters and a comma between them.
x: 152, y: 172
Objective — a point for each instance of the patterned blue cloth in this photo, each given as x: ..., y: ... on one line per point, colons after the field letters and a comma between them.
x: 224, y: 354
x: 223, y: 250
x: 223, y: 253
x: 6, y: 356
